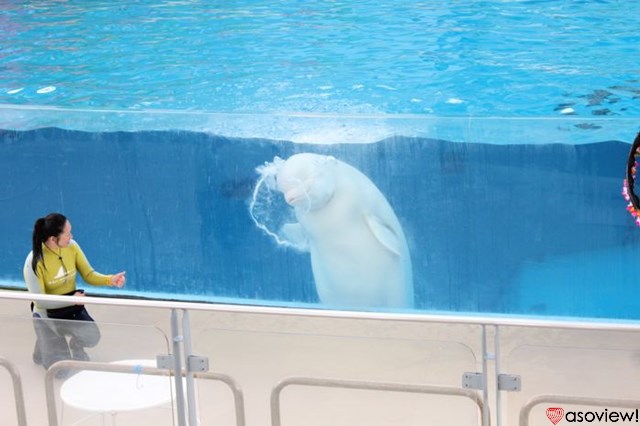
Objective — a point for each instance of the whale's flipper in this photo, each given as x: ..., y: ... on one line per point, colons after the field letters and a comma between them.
x: 294, y: 234
x: 384, y: 234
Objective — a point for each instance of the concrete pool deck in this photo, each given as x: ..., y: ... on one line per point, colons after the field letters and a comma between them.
x: 259, y: 351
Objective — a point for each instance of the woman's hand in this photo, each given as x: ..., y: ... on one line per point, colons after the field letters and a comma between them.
x: 118, y: 280
x: 79, y: 293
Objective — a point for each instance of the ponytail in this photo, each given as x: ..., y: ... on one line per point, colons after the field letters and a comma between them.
x: 51, y: 225
x: 37, y: 239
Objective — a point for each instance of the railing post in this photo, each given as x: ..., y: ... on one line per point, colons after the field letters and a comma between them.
x: 177, y: 338
x: 191, y: 395
x: 496, y: 351
x: 485, y: 374
x: 17, y: 391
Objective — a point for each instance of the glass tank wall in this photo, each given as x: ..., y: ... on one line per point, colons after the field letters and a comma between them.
x: 513, y: 216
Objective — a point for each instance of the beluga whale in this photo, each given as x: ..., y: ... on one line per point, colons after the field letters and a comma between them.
x: 359, y: 254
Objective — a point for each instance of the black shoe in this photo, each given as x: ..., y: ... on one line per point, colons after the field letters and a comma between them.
x: 37, y: 357
x: 80, y: 355
x: 63, y: 374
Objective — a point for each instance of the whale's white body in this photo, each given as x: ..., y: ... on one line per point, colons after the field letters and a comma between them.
x: 359, y: 253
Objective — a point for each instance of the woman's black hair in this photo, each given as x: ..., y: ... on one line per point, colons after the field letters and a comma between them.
x: 51, y: 225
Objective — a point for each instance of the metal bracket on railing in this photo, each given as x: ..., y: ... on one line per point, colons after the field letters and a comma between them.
x: 473, y: 381
x: 509, y: 382
x: 164, y: 361
x: 197, y: 363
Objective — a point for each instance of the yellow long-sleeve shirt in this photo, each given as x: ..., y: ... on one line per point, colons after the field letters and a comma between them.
x: 56, y: 272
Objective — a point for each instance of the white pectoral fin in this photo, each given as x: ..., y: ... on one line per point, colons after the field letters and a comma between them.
x: 384, y: 234
x: 295, y: 235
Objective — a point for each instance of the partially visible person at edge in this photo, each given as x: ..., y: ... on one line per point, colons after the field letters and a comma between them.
x: 628, y: 188
x: 51, y: 268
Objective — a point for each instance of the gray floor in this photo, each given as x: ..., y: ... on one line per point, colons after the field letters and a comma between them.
x: 258, y: 351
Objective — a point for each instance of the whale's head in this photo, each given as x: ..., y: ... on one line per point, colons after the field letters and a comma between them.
x: 307, y: 180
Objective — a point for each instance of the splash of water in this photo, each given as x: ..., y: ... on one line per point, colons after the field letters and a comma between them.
x: 268, y: 209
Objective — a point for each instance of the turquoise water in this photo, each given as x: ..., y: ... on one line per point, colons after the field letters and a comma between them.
x: 466, y: 58
x: 520, y: 214
x: 492, y: 228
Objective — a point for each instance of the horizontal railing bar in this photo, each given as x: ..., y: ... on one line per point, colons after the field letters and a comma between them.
x: 469, y: 319
x: 359, y: 385
x: 238, y: 398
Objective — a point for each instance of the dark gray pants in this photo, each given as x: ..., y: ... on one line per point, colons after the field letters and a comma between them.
x: 51, y: 336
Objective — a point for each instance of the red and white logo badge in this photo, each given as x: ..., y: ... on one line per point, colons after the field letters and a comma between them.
x: 555, y: 414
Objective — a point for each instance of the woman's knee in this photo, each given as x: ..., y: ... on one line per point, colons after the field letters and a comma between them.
x: 85, y: 334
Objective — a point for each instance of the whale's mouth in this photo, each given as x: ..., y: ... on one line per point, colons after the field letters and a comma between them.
x: 293, y: 197
x: 300, y: 197
x: 296, y: 197
x: 297, y: 192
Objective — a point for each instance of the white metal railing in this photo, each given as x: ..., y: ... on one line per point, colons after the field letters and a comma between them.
x: 238, y: 399
x: 182, y: 344
x: 374, y: 386
x: 17, y: 391
x: 471, y: 319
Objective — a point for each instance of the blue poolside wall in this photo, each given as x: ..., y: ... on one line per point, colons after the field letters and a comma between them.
x: 493, y: 228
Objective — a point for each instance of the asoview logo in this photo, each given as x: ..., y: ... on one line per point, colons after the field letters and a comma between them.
x: 556, y: 414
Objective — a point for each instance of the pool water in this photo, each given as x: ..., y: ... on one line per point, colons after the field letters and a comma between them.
x: 517, y: 229
x: 467, y: 58
x: 144, y: 123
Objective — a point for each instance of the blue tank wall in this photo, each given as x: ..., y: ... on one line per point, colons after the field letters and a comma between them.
x: 172, y: 208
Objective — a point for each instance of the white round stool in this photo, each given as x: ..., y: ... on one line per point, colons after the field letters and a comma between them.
x: 103, y: 392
